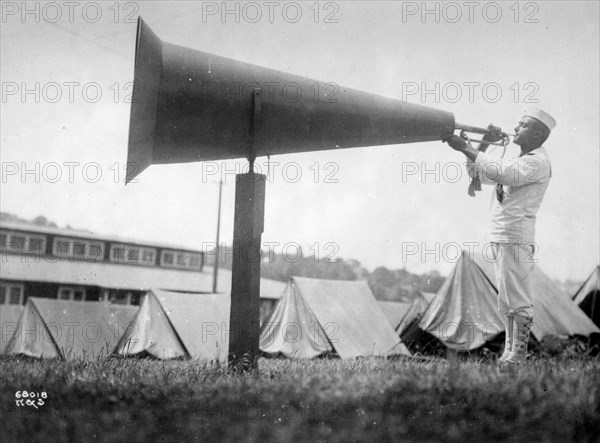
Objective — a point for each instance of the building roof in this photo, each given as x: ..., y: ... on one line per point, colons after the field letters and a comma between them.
x: 121, y: 276
x: 88, y: 235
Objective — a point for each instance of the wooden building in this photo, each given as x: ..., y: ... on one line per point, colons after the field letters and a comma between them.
x: 66, y: 264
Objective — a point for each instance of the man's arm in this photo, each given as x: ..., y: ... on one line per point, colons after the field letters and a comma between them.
x: 470, y: 152
x: 514, y: 172
x: 459, y: 144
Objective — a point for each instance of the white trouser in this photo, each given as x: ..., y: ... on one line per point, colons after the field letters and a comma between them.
x: 514, y: 263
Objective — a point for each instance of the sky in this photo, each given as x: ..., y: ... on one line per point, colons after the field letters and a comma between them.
x: 67, y: 73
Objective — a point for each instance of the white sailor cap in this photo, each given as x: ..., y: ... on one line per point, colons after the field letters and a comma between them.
x: 542, y: 116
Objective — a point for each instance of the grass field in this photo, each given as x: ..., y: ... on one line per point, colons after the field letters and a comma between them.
x: 130, y: 400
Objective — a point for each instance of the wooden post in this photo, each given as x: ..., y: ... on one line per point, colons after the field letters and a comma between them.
x: 217, y: 258
x: 452, y: 355
x: 245, y: 281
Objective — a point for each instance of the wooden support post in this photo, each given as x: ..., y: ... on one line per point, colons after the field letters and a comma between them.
x: 452, y: 355
x: 245, y: 281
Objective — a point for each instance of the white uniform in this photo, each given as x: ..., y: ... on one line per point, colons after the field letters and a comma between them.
x: 524, y: 182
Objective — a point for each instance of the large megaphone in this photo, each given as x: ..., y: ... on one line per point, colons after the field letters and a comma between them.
x: 191, y: 106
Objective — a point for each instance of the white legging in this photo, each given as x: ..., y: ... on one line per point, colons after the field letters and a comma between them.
x: 514, y: 263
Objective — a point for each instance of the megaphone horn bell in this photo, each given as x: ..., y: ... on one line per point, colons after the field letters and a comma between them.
x: 190, y: 106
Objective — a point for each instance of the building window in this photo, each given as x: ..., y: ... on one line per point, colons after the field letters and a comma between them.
x: 181, y: 260
x: 11, y: 294
x: 36, y: 244
x: 118, y: 254
x: 148, y: 256
x: 80, y: 249
x: 69, y: 293
x: 19, y: 242
x: 133, y: 254
x: 62, y: 248
x: 167, y: 259
x: 122, y: 297
x: 195, y: 260
x: 96, y: 251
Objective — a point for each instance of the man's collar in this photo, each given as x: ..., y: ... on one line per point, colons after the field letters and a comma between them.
x: 532, y: 152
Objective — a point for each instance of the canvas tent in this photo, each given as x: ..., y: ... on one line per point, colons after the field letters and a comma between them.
x: 394, y: 311
x: 9, y: 318
x: 316, y: 316
x: 588, y: 296
x: 65, y: 329
x: 415, y: 312
x: 173, y: 324
x: 270, y: 293
x: 429, y: 296
x: 464, y: 314
x: 554, y: 313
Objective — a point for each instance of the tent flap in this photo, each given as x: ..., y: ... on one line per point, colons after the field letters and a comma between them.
x: 173, y: 324
x: 588, y: 296
x: 293, y: 330
x: 344, y: 312
x: 151, y: 332
x: 394, y: 311
x: 464, y: 314
x: 9, y: 318
x: 466, y: 311
x: 70, y: 329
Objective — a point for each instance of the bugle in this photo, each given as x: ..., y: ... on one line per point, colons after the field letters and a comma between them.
x: 476, y: 130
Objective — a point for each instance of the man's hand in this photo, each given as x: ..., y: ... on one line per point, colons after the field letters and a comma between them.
x: 456, y: 142
x: 459, y: 144
x: 494, y: 135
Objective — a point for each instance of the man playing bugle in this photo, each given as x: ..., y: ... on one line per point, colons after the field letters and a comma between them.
x: 521, y: 183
